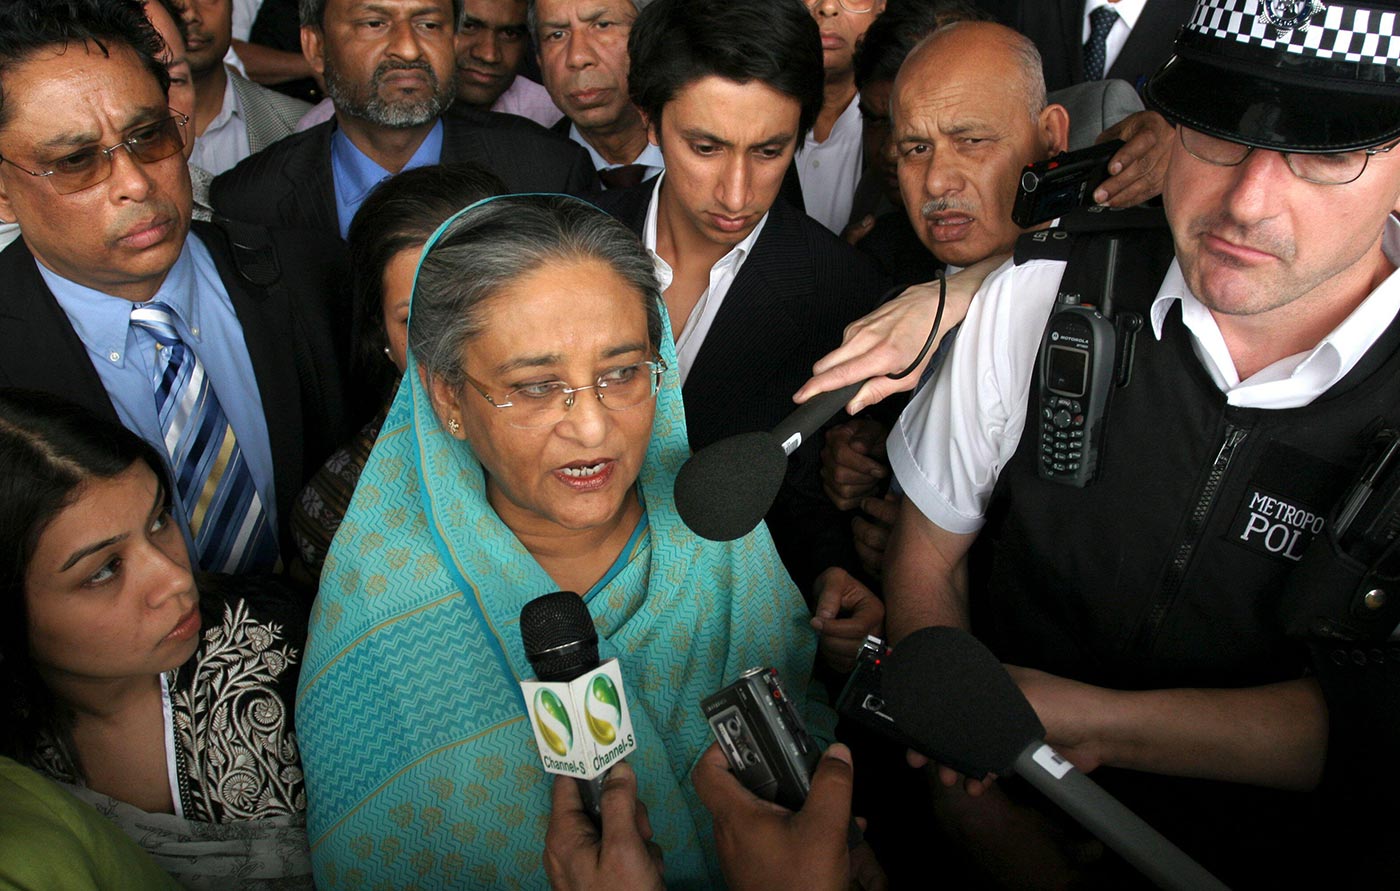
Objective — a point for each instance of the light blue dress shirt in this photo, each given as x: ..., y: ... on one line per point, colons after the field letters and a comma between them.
x: 356, y: 174
x: 126, y: 362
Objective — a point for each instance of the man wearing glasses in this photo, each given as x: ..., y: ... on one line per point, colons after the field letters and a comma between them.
x: 1142, y: 610
x: 186, y: 335
x: 829, y: 164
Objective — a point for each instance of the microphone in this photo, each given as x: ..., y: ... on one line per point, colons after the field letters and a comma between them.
x: 726, y: 488
x: 562, y: 644
x: 950, y: 694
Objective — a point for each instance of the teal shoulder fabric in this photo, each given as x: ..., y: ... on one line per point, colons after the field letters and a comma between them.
x: 420, y: 762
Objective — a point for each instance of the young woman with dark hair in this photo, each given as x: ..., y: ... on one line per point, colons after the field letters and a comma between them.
x: 164, y: 702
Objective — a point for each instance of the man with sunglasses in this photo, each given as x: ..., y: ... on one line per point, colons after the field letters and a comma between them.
x: 186, y: 333
x: 1143, y: 612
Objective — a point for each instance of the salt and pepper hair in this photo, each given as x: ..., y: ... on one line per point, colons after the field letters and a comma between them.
x: 493, y: 245
x: 533, y: 19
x: 401, y: 213
x: 1026, y: 75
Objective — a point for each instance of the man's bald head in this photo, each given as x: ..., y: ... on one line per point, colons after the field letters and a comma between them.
x: 969, y: 113
x: 1004, y: 59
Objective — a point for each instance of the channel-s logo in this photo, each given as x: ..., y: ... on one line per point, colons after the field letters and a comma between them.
x: 603, y: 709
x: 553, y: 721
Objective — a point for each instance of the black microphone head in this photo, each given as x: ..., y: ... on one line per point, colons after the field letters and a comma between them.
x: 560, y: 640
x: 946, y: 690
x: 724, y: 490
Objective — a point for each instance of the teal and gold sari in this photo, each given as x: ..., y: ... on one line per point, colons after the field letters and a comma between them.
x: 420, y: 762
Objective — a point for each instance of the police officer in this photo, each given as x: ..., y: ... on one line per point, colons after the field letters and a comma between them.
x: 1140, y: 613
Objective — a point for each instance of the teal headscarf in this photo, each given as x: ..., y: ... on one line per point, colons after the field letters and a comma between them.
x: 420, y: 763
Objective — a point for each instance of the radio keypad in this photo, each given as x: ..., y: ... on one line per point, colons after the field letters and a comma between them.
x: 1061, y: 435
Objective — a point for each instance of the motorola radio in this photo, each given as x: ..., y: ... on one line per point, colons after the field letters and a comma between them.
x: 1079, y: 364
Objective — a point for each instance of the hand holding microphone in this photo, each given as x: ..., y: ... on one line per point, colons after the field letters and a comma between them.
x: 577, y: 706
x: 946, y: 691
x: 580, y: 857
x: 889, y: 339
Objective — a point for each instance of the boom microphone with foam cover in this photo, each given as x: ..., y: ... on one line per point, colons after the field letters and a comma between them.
x: 724, y: 490
x: 948, y: 692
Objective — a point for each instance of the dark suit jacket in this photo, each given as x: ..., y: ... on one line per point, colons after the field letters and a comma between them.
x: 290, y: 329
x: 1057, y: 29
x: 787, y: 307
x: 289, y: 184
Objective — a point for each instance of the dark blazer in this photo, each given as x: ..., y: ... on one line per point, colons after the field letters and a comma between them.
x: 788, y: 306
x: 290, y: 329
x: 1057, y: 29
x: 289, y: 184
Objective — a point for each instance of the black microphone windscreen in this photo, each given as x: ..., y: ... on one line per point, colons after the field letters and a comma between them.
x: 946, y: 690
x: 724, y: 490
x: 560, y: 640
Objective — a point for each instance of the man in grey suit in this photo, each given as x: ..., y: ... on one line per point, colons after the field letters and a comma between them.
x: 388, y: 69
x: 234, y: 117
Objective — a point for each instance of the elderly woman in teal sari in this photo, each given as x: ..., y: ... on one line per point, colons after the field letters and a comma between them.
x: 532, y: 448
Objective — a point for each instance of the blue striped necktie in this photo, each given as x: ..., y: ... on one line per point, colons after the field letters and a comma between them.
x: 212, y: 479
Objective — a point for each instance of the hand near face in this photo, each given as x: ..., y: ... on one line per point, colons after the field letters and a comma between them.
x: 1139, y: 168
x: 578, y: 858
x: 765, y: 846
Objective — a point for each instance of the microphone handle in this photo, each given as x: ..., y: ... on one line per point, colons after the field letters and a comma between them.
x: 811, y: 415
x: 591, y: 791
x: 1166, y: 865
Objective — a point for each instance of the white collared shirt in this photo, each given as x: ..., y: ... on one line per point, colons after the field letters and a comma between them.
x: 722, y: 275
x: 959, y: 432
x: 1128, y: 13
x: 830, y: 170
x: 225, y: 141
x: 650, y: 156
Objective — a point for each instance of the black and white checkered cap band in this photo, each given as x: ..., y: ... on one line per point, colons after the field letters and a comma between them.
x: 1337, y: 32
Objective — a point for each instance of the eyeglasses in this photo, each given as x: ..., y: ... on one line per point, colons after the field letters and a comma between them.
x: 89, y: 166
x: 855, y: 6
x: 1324, y: 169
x: 544, y: 404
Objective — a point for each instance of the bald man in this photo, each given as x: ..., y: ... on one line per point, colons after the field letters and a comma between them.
x: 962, y: 139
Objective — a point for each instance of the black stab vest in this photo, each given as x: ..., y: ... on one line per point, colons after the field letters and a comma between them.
x: 1164, y: 571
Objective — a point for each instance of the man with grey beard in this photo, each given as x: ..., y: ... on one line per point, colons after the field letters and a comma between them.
x: 388, y: 68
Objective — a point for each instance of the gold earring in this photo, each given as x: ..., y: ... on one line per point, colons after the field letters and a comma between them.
x: 454, y: 427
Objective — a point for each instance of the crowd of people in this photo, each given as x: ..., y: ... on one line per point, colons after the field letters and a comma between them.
x: 336, y: 331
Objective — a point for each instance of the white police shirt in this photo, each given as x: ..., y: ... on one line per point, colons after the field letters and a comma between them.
x: 959, y: 432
